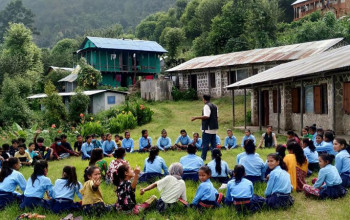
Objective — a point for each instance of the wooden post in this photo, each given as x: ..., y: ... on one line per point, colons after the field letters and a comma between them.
x: 278, y: 109
x: 260, y: 109
x: 245, y: 108
x: 301, y: 107
x: 333, y: 104
x: 233, y: 108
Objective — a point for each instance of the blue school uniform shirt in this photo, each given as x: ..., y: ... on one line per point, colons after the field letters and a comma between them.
x: 128, y: 143
x: 183, y: 140
x: 163, y: 143
x: 342, y: 161
x: 191, y: 162
x: 254, y: 165
x: 198, y: 143
x: 11, y: 182
x: 96, y: 143
x: 38, y: 189
x: 224, y: 169
x: 241, y: 190
x: 60, y: 191
x: 279, y: 182
x: 156, y: 167
x: 251, y: 137
x: 230, y: 141
x: 144, y: 143
x: 85, y: 148
x: 243, y: 154
x: 329, y: 175
x: 109, y: 146
x: 218, y: 141
x: 325, y: 147
x: 205, y: 191
x: 314, y: 138
x: 312, y: 157
x: 32, y: 154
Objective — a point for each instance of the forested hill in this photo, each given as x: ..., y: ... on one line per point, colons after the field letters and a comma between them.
x: 57, y: 19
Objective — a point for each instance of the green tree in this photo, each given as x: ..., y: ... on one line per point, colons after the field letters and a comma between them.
x: 62, y: 53
x: 55, y: 76
x: 79, y: 103
x: 173, y: 37
x: 88, y: 76
x: 55, y: 110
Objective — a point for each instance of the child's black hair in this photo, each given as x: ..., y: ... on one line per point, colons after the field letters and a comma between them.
x: 319, y: 135
x: 281, y: 150
x: 306, y: 128
x: 119, y: 153
x: 320, y: 130
x: 191, y: 149
x: 196, y: 134
x: 79, y: 135
x: 108, y: 134
x: 312, y: 128
x: 329, y: 135
x: 342, y: 141
x: 310, y: 144
x: 249, y: 146
x: 183, y: 130
x: 154, y: 151
x: 57, y: 139
x: 87, y: 137
x: 327, y: 158
x: 89, y: 171
x: 71, y: 177
x: 63, y: 136
x: 290, y: 132
x: 21, y: 139
x: 206, y: 170
x: 119, y: 176
x: 206, y: 97
x: 39, y: 169
x: 40, y: 140
x: 247, y: 130
x: 163, y: 131
x: 7, y: 168
x: 6, y: 147
x: 103, y: 135
x: 297, y: 151
x: 239, y: 173
x: 14, y: 141
x: 117, y: 135
x: 22, y: 145
x: 127, y: 132
x: 143, y: 132
x: 278, y: 158
x: 96, y: 155
x: 216, y: 155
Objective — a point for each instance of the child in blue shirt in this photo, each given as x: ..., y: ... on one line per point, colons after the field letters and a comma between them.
x: 154, y: 165
x: 240, y: 192
x: 145, y: 142
x: 128, y: 143
x: 183, y: 139
x: 37, y: 185
x: 206, y: 196
x: 197, y: 141
x: 328, y: 183
x: 327, y: 144
x: 87, y: 148
x: 10, y: 178
x: 230, y: 140
x: 254, y: 165
x: 342, y: 160
x: 219, y: 168
x: 31, y: 151
x: 311, y: 155
x: 191, y: 164
x: 248, y: 136
x: 109, y: 146
x: 64, y: 191
x: 279, y: 185
x: 164, y: 142
x: 218, y: 141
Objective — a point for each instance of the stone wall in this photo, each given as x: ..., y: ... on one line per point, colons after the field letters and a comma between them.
x: 156, y: 90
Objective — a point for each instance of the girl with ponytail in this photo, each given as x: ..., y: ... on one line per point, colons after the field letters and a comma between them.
x: 311, y: 154
x: 342, y: 160
x: 219, y: 168
x: 154, y: 165
x: 65, y: 190
x: 37, y: 185
x: 10, y: 178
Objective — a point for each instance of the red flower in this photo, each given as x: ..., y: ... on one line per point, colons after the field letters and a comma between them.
x: 81, y: 115
x: 141, y: 107
x: 53, y: 126
x: 59, y: 131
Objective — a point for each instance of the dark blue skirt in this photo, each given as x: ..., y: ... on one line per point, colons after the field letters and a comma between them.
x: 150, y: 177
x: 279, y: 200
x: 205, y: 204
x: 190, y: 175
x: 63, y: 205
x: 8, y: 198
x: 220, y: 179
x: 244, y: 205
x: 86, y: 158
x: 97, y: 209
x: 332, y: 192
x: 32, y: 202
x: 254, y: 179
x: 345, y: 177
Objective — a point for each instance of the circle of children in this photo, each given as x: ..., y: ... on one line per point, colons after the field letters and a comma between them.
x: 283, y: 172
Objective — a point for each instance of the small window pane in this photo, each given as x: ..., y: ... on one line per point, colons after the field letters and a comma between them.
x: 242, y: 74
x: 309, y: 99
x: 111, y: 100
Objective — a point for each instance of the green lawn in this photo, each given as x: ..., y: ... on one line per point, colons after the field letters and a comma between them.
x: 174, y: 116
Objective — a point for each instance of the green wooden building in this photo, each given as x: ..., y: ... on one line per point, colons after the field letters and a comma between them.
x: 121, y: 60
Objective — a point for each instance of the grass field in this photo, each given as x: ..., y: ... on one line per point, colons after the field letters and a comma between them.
x: 174, y: 116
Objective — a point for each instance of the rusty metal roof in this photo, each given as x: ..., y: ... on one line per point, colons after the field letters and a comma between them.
x: 325, y: 62
x: 273, y: 54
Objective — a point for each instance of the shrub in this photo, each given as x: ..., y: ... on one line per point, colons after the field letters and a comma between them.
x: 91, y: 128
x: 88, y: 76
x: 79, y: 103
x: 122, y: 122
x: 189, y: 94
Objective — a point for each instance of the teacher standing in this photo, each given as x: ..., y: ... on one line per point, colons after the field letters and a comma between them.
x: 210, y: 125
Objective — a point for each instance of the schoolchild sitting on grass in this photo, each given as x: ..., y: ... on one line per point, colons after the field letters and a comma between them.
x: 342, y: 160
x: 23, y: 156
x: 119, y: 155
x: 164, y: 142
x: 191, y: 164
x: 96, y: 159
x: 153, y: 167
x: 87, y: 148
x: 128, y: 143
x: 219, y: 168
x: 145, y: 142
x: 172, y: 188
x: 109, y: 146
x: 182, y: 141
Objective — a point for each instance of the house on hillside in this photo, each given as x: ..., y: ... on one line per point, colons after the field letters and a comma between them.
x: 121, y: 60
x: 313, y: 90
x: 306, y: 7
x: 211, y: 74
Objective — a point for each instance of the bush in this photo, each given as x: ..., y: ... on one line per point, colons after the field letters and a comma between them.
x: 91, y: 128
x: 122, y: 122
x: 79, y: 104
x: 188, y: 95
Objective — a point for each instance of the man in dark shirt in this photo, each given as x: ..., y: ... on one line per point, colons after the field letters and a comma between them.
x: 65, y: 143
x: 78, y: 143
x: 40, y: 148
x: 14, y: 147
x: 60, y: 152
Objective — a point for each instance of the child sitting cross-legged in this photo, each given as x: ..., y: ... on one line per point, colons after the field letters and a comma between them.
x: 65, y: 190
x: 23, y: 156
x: 119, y: 155
x: 154, y: 165
x: 191, y: 163
x: 126, y: 190
x: 96, y: 159
x: 172, y: 188
x: 219, y: 168
x: 206, y: 196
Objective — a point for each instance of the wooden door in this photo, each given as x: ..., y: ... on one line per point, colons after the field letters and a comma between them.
x: 266, y: 109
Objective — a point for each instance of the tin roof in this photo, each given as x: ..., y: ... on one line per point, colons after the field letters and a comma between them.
x: 70, y: 78
x: 273, y: 54
x: 299, y: 1
x: 336, y: 59
x: 125, y: 44
x: 88, y: 93
x: 55, y: 68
